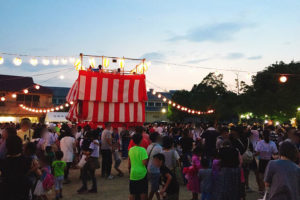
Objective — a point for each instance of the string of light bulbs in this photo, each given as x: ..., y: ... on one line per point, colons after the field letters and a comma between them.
x: 36, y: 59
x: 176, y: 105
x: 46, y: 110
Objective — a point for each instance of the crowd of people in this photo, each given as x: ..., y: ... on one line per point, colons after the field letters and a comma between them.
x: 213, y: 161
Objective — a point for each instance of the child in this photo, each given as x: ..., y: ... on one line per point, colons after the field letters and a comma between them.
x: 192, y: 173
x: 205, y: 176
x: 40, y: 190
x: 59, y: 167
x: 137, y: 162
x: 170, y: 185
x: 115, y: 149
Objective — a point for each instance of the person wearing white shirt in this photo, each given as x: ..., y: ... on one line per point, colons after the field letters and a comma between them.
x: 67, y: 145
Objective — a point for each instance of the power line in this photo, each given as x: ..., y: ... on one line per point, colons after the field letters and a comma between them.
x: 200, y: 67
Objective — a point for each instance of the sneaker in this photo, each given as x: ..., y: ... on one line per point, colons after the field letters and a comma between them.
x: 82, y: 190
x: 93, y: 191
x: 110, y: 177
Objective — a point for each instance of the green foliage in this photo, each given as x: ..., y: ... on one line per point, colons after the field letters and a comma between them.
x: 266, y: 95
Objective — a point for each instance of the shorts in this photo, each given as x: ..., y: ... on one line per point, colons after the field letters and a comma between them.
x: 117, y: 163
x: 253, y: 165
x: 154, y: 181
x: 58, y: 182
x: 262, y: 165
x: 139, y: 186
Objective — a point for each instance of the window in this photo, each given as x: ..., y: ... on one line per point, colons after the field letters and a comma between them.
x: 150, y: 104
x: 60, y: 101
x: 157, y: 104
x: 165, y: 104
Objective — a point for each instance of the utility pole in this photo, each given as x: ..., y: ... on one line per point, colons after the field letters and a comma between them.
x: 237, y: 80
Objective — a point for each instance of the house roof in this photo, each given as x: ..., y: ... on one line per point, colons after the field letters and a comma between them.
x: 10, y: 83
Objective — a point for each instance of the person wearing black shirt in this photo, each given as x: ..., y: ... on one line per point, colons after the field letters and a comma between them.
x: 210, y: 137
x: 228, y: 182
x: 125, y: 137
x: 170, y: 185
x: 186, y: 143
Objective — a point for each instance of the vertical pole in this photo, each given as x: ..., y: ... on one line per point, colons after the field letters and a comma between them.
x: 237, y: 83
x: 102, y: 64
x: 81, y: 60
x: 144, y: 66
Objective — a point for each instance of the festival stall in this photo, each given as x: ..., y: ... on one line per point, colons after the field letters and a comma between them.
x: 99, y: 97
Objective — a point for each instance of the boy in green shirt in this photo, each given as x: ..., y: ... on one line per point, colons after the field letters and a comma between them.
x: 137, y: 163
x: 59, y: 170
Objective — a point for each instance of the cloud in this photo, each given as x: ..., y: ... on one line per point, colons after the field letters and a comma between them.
x: 254, y: 58
x: 236, y: 55
x: 219, y: 32
x: 153, y: 55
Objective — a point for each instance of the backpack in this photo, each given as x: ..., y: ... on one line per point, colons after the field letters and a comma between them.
x: 247, y: 155
x: 48, y: 181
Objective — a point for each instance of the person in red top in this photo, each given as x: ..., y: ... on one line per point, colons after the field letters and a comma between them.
x: 145, y: 141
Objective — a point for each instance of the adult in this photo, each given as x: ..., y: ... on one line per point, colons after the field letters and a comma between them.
x: 14, y: 169
x: 25, y: 133
x: 282, y: 176
x: 228, y: 181
x: 125, y: 138
x: 67, y: 145
x: 265, y: 149
x: 145, y: 140
x: 171, y: 155
x: 9, y: 131
x: 209, y: 138
x: 154, y: 173
x: 106, y: 151
x: 186, y: 143
x: 90, y: 148
x: 137, y: 163
x: 224, y: 131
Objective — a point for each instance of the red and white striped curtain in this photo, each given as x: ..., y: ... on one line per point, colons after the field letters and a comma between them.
x: 107, y: 97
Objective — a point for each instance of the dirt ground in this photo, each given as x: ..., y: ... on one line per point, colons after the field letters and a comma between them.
x: 118, y: 189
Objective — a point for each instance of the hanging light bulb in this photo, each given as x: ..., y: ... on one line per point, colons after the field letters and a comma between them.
x: 77, y: 64
x: 45, y: 61
x: 37, y: 87
x: 14, y: 95
x: 159, y: 95
x: 170, y: 102
x: 17, y: 61
x: 174, y: 104
x: 52, y: 109
x: 164, y: 99
x: 64, y: 61
x: 61, y: 107
x: 121, y: 63
x: 105, y: 62
x: 25, y: 91
x: 67, y: 105
x: 1, y: 60
x: 92, y: 62
x: 55, y: 61
x: 71, y: 102
x: 33, y: 61
x: 282, y: 79
x: 2, y: 98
